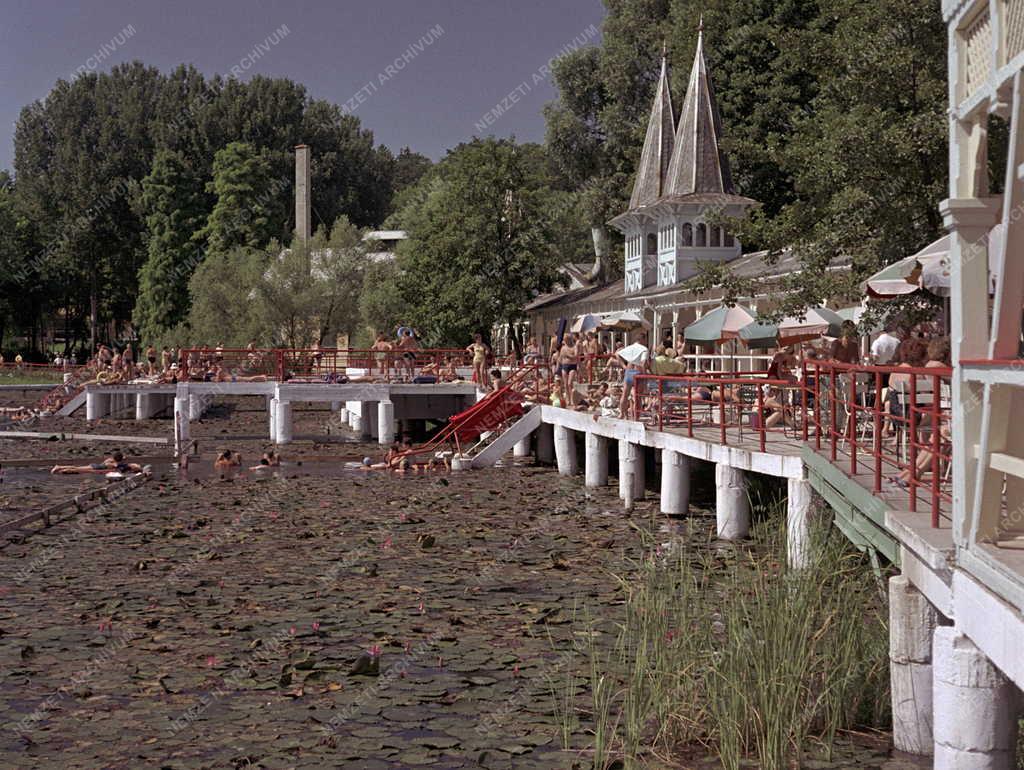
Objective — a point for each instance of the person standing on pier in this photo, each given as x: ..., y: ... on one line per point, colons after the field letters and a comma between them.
x: 636, y: 357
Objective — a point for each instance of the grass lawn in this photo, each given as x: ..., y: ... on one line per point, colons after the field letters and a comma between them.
x: 29, y: 378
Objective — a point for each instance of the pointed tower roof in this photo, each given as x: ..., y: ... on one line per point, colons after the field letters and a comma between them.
x: 698, y: 164
x: 652, y: 173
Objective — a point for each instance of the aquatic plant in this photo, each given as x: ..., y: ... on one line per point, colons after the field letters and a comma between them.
x: 726, y: 647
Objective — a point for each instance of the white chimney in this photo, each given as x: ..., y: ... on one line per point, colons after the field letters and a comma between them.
x: 302, y: 194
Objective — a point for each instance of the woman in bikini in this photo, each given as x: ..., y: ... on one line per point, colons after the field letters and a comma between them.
x: 408, y: 344
x: 479, y: 351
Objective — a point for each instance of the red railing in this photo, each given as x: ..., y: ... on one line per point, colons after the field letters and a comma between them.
x: 324, y: 364
x: 890, y: 424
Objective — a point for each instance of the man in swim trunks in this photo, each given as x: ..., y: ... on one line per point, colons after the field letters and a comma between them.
x: 568, y: 364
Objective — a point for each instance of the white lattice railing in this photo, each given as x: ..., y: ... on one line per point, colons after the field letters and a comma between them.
x: 1013, y: 24
x: 977, y: 40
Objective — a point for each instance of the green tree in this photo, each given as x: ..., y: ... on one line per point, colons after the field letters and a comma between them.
x: 245, y: 188
x: 224, y: 292
x: 479, y: 245
x: 174, y: 206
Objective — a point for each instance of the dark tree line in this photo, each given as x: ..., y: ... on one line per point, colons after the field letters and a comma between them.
x: 124, y: 181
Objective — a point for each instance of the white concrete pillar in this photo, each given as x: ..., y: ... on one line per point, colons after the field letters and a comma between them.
x: 357, y: 417
x: 798, y: 511
x: 272, y: 418
x: 351, y: 412
x: 631, y: 468
x: 385, y: 422
x: 370, y: 419
x: 732, y: 506
x: 596, y: 468
x: 675, y: 482
x: 912, y: 621
x: 283, y: 422
x: 522, y: 448
x: 143, y: 406
x: 195, y: 406
x: 546, y: 444
x: 565, y: 451
x: 97, y: 405
x: 181, y: 426
x: 975, y: 707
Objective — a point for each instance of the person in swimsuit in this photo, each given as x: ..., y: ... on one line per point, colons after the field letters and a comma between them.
x: 407, y: 344
x: 381, y: 346
x: 151, y: 357
x: 226, y: 463
x: 631, y: 370
x: 568, y: 364
x: 479, y: 351
x: 114, y: 462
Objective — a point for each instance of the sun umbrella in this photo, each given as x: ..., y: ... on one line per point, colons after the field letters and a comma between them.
x: 625, y: 321
x: 815, y: 322
x: 721, y: 324
x: 585, y: 323
x: 928, y: 269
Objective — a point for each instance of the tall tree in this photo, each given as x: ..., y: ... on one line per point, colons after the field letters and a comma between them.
x: 245, y: 189
x: 477, y: 250
x: 173, y: 201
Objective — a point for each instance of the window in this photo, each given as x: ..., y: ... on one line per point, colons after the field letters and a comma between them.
x: 652, y: 244
x: 727, y: 239
x: 687, y: 234
x: 702, y: 235
x: 716, y: 236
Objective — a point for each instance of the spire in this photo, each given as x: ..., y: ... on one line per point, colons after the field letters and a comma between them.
x: 698, y: 164
x: 652, y: 173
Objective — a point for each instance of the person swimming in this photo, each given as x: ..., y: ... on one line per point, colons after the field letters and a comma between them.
x: 112, y: 463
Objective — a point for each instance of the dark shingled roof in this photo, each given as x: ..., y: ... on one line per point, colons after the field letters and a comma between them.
x: 651, y: 174
x: 698, y: 165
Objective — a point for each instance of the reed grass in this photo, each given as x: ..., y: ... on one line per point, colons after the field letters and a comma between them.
x: 730, y: 649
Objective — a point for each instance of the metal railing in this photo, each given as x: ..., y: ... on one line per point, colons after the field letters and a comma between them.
x: 888, y: 424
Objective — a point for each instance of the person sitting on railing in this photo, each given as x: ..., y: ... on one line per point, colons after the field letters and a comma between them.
x: 666, y: 363
x: 609, y: 401
x: 557, y: 394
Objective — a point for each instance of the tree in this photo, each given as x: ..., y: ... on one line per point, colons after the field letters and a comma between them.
x: 309, y: 293
x: 174, y: 205
x: 244, y: 187
x: 479, y: 246
x: 223, y: 289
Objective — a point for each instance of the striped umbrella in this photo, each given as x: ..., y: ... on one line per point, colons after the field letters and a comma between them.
x: 814, y: 323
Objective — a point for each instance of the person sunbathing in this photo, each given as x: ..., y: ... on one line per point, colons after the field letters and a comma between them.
x: 112, y: 463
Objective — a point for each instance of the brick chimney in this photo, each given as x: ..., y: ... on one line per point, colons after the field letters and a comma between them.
x: 303, y: 192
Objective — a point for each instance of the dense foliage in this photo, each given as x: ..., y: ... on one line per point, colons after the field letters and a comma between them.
x: 125, y: 182
x: 833, y: 113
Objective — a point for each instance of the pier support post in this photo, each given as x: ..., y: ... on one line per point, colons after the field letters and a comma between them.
x: 596, y: 469
x: 912, y: 621
x: 522, y: 448
x: 976, y: 715
x: 370, y: 419
x: 732, y: 506
x: 283, y: 422
x: 546, y: 444
x: 798, y: 511
x: 144, y: 405
x: 97, y: 405
x: 631, y: 467
x: 385, y: 422
x: 675, y: 482
x: 181, y: 427
x: 565, y: 451
x: 195, y: 406
x: 272, y: 417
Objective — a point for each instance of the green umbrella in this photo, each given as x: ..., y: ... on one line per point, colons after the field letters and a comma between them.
x: 721, y: 324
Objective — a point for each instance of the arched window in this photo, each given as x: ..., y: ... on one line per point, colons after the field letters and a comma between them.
x: 687, y: 234
x: 702, y: 235
x: 727, y: 239
x: 652, y: 243
x: 716, y: 236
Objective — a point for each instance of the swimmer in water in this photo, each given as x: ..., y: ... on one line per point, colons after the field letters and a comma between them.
x: 269, y: 460
x: 226, y: 463
x: 114, y: 462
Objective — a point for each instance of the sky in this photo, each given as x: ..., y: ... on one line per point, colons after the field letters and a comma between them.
x: 470, y: 67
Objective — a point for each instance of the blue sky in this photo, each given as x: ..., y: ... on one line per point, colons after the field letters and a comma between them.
x: 479, y: 56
